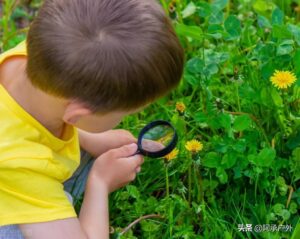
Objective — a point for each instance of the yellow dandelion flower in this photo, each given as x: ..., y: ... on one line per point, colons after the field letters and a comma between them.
x: 194, y: 146
x: 180, y: 107
x: 172, y: 155
x: 283, y: 79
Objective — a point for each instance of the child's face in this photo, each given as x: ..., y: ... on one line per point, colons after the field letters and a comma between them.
x: 83, y: 118
x: 96, y: 123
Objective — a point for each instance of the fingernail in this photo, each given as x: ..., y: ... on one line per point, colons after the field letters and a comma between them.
x: 133, y: 146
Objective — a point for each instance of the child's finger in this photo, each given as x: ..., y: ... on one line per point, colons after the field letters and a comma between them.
x: 138, y: 169
x: 124, y: 151
x: 135, y: 161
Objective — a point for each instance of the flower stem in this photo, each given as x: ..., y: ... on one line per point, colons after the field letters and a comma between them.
x: 285, y: 104
x: 197, y: 176
x: 228, y: 8
x: 167, y: 182
x: 169, y: 206
x: 255, y: 188
x: 189, y: 184
x: 237, y: 96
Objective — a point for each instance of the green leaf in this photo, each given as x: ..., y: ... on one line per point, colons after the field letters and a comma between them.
x: 193, y: 32
x: 204, y: 9
x: 296, y: 60
x: 296, y: 233
x: 277, y: 16
x: 267, y: 70
x: 281, y: 32
x: 284, y: 48
x: 248, y: 93
x: 233, y: 26
x: 227, y: 235
x: 225, y: 121
x: 189, y: 10
x: 265, y: 157
x: 276, y: 97
x: 285, y: 214
x: 263, y: 22
x: 222, y: 175
x: 195, y: 65
x: 296, y: 154
x: 216, y: 17
x: 265, y: 51
x: 212, y: 160
x: 201, y: 117
x: 133, y: 191
x: 262, y: 6
x: 219, y: 5
x: 179, y: 124
x: 19, y: 13
x: 240, y: 145
x: 149, y: 226
x: 211, y: 69
x: 221, y: 147
x: 277, y: 208
x: 295, y: 31
x: 215, y: 30
x: 213, y: 57
x: 241, y: 123
x: 191, y: 79
x: 229, y: 159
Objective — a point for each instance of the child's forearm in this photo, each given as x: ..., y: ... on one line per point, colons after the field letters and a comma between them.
x: 98, y: 143
x: 94, y: 215
x: 111, y: 171
x: 95, y: 144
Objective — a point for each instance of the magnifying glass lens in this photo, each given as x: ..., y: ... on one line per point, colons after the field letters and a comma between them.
x: 157, y: 138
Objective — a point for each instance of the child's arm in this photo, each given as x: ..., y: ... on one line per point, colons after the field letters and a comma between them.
x: 109, y: 172
x: 98, y: 143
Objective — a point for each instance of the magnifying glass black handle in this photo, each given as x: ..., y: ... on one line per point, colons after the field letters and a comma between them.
x: 144, y: 153
x: 137, y: 152
x: 154, y: 152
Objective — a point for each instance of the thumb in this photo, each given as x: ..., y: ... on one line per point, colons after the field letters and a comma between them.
x: 125, y: 151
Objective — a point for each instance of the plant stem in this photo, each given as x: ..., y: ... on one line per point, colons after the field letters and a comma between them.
x: 170, y: 221
x: 237, y: 96
x: 264, y: 134
x: 168, y: 197
x: 256, y: 182
x: 138, y: 220
x: 190, y: 183
x: 199, y: 186
x: 290, y: 196
x: 167, y: 181
x: 228, y: 8
x: 285, y: 104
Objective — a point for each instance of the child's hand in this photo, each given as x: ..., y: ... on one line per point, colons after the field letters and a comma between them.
x: 99, y: 143
x: 116, y: 167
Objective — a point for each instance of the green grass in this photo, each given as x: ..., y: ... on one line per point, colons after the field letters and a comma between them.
x: 249, y: 169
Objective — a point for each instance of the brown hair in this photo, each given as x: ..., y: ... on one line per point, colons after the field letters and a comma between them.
x: 109, y: 54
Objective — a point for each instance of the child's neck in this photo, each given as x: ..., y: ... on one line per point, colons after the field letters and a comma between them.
x: 48, y: 110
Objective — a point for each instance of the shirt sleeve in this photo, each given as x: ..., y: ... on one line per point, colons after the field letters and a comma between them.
x: 28, y: 195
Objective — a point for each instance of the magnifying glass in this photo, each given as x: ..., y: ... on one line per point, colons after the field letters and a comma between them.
x: 157, y: 139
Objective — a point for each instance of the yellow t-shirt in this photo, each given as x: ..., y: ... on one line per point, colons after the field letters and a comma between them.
x: 33, y: 163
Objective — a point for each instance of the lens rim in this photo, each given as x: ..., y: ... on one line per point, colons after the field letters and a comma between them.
x: 162, y: 152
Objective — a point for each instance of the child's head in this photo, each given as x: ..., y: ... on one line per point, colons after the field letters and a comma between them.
x: 111, y: 55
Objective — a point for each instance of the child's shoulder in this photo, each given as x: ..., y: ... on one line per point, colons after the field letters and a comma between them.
x: 19, y: 49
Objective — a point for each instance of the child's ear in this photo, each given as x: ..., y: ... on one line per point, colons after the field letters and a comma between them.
x: 74, y: 111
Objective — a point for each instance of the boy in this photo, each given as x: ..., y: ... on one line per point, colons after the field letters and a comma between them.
x: 88, y: 63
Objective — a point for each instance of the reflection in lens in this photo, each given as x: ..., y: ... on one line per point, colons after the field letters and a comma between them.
x: 157, y: 138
